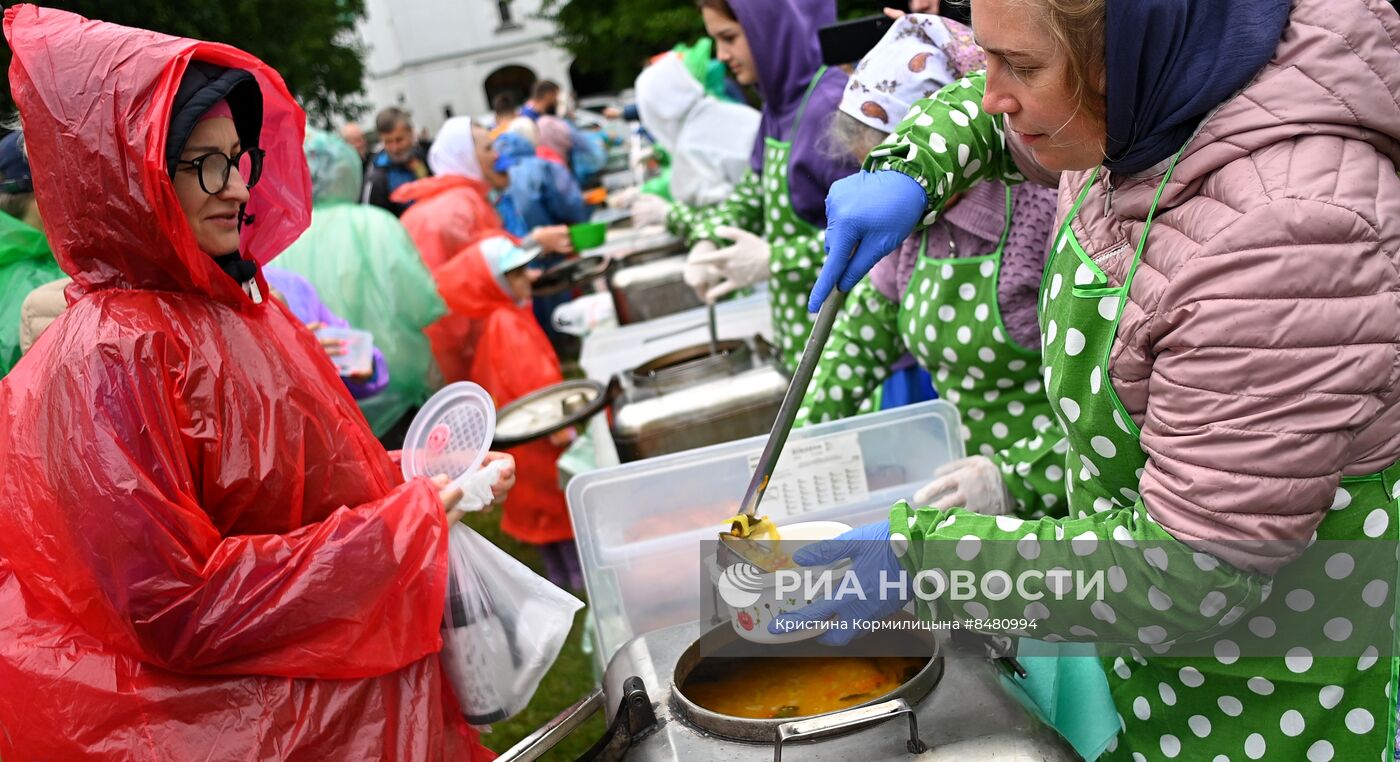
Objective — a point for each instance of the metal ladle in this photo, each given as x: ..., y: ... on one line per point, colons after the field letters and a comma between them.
x: 714, y: 330
x: 748, y: 522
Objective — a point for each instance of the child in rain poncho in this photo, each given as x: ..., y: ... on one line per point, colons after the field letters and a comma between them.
x: 491, y: 338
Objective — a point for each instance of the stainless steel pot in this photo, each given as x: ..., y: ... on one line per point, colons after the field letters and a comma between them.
x: 690, y: 398
x: 651, y: 290
x: 958, y: 707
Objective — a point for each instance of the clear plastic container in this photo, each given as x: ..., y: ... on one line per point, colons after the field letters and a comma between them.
x: 640, y: 526
x: 451, y: 433
x: 358, y: 358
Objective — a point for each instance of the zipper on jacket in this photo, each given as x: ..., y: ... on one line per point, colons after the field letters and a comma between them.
x: 1108, y: 194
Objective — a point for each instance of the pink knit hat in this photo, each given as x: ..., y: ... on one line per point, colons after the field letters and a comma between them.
x: 217, y: 110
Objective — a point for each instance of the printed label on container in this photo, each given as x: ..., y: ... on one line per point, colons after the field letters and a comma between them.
x: 816, y: 474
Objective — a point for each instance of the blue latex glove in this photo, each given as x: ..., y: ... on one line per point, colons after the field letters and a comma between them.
x: 868, y: 215
x: 871, y: 552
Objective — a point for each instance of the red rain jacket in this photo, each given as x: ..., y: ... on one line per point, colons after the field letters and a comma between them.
x: 449, y: 213
x: 204, y: 553
x: 489, y: 339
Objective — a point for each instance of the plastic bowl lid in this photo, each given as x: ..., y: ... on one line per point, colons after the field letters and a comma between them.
x: 451, y: 433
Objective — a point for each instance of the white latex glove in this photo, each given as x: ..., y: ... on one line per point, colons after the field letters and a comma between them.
x: 973, y: 483
x: 476, y: 489
x: 624, y: 198
x: 741, y: 264
x: 650, y: 209
x: 701, y: 278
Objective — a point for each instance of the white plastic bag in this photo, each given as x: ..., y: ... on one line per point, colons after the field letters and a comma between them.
x: 585, y: 314
x: 476, y: 488
x: 502, y: 628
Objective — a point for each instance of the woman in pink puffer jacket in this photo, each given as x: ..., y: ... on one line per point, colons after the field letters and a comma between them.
x: 1221, y: 334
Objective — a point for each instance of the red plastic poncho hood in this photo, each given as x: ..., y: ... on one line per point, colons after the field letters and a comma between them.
x: 449, y: 213
x: 95, y: 101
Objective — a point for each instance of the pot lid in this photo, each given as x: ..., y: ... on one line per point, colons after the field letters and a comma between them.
x: 548, y: 410
x: 692, y: 365
x: 568, y: 274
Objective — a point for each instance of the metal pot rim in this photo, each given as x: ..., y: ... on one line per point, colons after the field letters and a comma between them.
x: 690, y: 365
x: 915, y: 690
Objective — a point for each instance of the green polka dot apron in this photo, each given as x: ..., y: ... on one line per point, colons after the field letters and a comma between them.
x: 950, y: 320
x: 1257, y: 697
x: 792, y: 267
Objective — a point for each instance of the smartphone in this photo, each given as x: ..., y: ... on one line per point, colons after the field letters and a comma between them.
x: 846, y: 42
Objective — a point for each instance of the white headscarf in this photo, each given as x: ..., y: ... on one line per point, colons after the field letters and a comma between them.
x: 454, y: 150
x: 709, y: 140
x: 910, y: 63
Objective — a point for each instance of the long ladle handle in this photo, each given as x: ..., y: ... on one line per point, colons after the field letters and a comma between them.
x: 787, y: 413
x: 714, y: 330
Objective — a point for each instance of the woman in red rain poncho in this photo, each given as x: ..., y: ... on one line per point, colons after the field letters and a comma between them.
x: 490, y: 337
x: 452, y: 209
x: 204, y: 553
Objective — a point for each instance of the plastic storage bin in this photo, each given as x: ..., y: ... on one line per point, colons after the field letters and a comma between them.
x: 358, y: 358
x: 640, y: 526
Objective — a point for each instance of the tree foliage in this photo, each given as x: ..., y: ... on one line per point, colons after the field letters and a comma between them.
x: 311, y: 43
x: 614, y: 38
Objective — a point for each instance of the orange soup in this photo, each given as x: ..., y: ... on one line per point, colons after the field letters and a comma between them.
x: 794, y: 687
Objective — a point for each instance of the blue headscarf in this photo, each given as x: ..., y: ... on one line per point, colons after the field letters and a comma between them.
x: 1170, y: 62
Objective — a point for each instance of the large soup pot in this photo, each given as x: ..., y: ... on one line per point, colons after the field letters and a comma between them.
x: 957, y: 706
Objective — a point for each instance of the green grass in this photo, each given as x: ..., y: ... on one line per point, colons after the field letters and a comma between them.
x: 570, y: 679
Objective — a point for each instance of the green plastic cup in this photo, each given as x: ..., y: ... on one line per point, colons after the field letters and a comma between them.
x: 588, y: 235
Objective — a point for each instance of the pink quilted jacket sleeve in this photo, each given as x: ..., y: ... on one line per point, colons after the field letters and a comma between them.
x: 1260, y: 349
x: 1277, y: 348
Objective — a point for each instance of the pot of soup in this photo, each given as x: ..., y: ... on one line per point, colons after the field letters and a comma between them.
x: 696, y: 691
x: 726, y: 686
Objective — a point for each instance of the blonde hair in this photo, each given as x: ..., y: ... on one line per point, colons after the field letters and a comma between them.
x: 1080, y: 28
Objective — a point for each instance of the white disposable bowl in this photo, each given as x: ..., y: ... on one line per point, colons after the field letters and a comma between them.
x: 743, y: 583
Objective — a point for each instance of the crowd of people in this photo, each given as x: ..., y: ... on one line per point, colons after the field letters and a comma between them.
x: 1149, y: 251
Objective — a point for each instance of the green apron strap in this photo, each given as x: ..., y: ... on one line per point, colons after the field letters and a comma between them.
x: 802, y: 107
x: 1006, y: 226
x: 1151, y: 214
